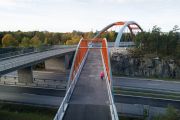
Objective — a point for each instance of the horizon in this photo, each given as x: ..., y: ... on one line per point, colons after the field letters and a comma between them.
x: 83, y: 15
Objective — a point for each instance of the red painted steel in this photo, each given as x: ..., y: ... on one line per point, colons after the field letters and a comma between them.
x: 83, y: 47
x: 106, y: 57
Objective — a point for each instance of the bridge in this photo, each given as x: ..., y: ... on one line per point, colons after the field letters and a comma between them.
x: 58, y: 58
x: 87, y: 96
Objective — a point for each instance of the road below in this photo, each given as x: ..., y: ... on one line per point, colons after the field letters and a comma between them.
x: 50, y: 97
x: 159, y: 85
x: 139, y: 83
x: 33, y: 96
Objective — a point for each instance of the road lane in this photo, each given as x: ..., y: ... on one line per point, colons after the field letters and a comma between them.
x: 147, y: 84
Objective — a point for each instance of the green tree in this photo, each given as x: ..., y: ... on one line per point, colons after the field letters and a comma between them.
x: 74, y: 40
x: 9, y: 41
x: 35, y: 41
x: 111, y: 36
x: 25, y: 42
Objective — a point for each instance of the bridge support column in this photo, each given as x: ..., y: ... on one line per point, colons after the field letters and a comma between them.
x: 56, y: 63
x: 68, y: 60
x: 25, y: 75
x: 61, y: 63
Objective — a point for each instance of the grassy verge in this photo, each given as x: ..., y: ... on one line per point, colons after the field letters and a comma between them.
x: 25, y: 112
x: 147, y: 93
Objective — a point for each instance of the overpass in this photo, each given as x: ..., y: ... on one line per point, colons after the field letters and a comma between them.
x: 58, y: 58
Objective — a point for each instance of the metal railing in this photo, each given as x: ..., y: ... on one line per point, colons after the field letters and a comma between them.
x: 76, y: 68
x: 25, y: 51
x: 108, y: 76
x: 81, y: 51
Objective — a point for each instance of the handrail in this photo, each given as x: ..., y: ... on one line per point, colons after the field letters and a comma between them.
x: 108, y: 76
x: 78, y: 62
x: 28, y: 51
x: 81, y: 51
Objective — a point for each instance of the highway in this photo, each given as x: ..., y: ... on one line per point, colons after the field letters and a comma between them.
x: 147, y: 84
x: 156, y: 102
x: 124, y: 82
x: 50, y: 97
x: 33, y: 96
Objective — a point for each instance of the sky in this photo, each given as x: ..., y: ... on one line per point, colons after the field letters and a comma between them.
x: 86, y: 15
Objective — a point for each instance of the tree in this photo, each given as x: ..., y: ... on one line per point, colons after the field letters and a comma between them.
x: 35, y: 42
x: 25, y: 42
x: 175, y: 28
x: 48, y: 39
x: 111, y: 36
x: 74, y: 40
x: 9, y: 41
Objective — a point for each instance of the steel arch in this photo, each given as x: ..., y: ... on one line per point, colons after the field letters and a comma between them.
x: 124, y: 25
x: 127, y: 24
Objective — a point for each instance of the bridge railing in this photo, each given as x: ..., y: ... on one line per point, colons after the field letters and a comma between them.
x: 25, y: 51
x: 31, y: 58
x: 78, y: 62
x: 108, y: 76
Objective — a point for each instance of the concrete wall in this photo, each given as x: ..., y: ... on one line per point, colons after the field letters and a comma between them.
x: 56, y: 63
x: 25, y: 75
x: 61, y: 63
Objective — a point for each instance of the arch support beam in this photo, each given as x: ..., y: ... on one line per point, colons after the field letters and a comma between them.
x: 127, y: 24
x: 124, y: 25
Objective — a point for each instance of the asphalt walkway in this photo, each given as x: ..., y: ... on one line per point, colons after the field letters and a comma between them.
x: 89, y: 100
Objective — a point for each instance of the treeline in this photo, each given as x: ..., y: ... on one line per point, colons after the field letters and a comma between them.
x: 159, y: 43
x: 36, y: 38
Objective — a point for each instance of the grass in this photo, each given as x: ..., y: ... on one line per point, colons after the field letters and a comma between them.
x: 25, y: 112
x: 147, y: 93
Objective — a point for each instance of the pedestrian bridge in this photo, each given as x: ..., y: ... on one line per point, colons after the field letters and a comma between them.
x: 87, y: 96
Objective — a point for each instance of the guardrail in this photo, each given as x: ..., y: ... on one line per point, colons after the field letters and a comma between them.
x: 81, y: 51
x: 25, y: 51
x: 76, y: 68
x: 108, y: 77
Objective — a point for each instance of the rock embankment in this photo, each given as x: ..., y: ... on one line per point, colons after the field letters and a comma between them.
x: 126, y: 64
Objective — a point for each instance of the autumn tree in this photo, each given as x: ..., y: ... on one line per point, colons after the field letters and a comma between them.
x: 25, y: 42
x: 35, y: 42
x: 9, y: 41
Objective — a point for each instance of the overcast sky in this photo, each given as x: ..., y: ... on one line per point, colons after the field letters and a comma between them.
x: 86, y: 15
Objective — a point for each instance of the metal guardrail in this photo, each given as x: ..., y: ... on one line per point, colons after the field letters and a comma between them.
x: 62, y: 109
x: 108, y: 77
x: 26, y: 51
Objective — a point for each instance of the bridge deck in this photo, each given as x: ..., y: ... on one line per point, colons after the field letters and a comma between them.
x: 17, y: 62
x: 89, y: 100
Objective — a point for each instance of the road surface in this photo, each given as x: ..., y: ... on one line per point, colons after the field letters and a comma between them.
x: 147, y: 84
x: 117, y: 81
x: 33, y: 96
